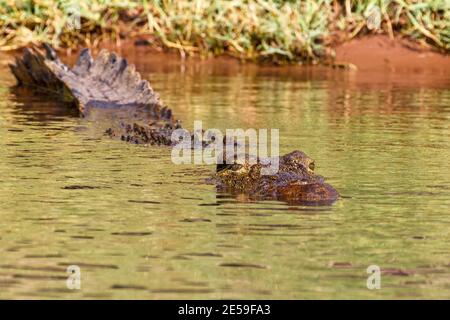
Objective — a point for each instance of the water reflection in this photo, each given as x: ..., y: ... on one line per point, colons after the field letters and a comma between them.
x: 140, y: 227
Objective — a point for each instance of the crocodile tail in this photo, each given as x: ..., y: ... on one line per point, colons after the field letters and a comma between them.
x: 106, y: 81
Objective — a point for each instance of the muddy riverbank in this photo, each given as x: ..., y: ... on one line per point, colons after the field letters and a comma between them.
x: 369, y: 53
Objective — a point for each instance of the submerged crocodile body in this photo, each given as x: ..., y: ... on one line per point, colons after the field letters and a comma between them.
x: 108, y: 81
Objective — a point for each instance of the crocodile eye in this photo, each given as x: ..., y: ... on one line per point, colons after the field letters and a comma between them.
x: 224, y: 166
x: 236, y: 167
x: 311, y: 166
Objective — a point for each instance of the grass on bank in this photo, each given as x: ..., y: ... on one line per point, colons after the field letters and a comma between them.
x: 250, y: 29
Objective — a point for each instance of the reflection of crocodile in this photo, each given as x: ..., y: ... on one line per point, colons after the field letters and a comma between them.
x: 110, y: 82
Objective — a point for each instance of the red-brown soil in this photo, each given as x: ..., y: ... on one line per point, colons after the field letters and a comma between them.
x: 381, y: 53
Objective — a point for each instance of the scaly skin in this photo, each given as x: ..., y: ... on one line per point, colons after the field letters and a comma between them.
x: 109, y: 82
x: 295, y: 181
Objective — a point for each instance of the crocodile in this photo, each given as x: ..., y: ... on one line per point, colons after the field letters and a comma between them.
x: 110, y: 82
x: 294, y: 182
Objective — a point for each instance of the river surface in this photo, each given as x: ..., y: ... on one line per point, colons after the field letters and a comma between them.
x: 139, y: 226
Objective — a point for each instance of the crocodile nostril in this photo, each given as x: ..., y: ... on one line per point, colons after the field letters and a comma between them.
x: 312, y: 166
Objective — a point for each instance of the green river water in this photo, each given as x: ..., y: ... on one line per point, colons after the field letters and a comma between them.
x: 139, y: 226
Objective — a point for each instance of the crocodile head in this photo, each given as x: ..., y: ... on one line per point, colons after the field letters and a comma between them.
x: 295, y: 180
x: 110, y: 84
